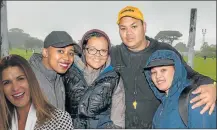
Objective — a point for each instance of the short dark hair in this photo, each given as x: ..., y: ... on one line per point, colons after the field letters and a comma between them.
x: 142, y: 22
x: 93, y: 34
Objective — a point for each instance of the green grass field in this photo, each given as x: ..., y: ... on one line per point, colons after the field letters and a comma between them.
x: 206, y: 67
x: 22, y: 53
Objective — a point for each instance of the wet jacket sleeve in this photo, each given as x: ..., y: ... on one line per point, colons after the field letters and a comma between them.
x: 118, y: 105
x: 198, y: 78
x: 197, y: 120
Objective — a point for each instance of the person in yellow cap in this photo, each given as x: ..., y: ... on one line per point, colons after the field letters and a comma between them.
x: 129, y: 59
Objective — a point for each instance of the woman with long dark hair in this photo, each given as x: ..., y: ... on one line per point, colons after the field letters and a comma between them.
x: 23, y: 106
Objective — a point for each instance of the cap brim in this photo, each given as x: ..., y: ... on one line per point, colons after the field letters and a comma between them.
x: 128, y: 16
x: 62, y: 44
x: 75, y: 45
x: 160, y: 62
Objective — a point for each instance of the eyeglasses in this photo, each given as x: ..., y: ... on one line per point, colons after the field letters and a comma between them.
x: 93, y: 51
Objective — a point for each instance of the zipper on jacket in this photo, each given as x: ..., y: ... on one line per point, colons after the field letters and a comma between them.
x: 99, y: 77
x: 91, y: 87
x: 164, y: 105
x: 160, y: 115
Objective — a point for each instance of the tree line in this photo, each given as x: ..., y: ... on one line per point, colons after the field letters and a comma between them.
x: 19, y: 39
x: 170, y: 36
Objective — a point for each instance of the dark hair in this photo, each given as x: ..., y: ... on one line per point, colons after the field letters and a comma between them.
x: 94, y: 33
x: 43, y: 108
x: 3, y: 115
x: 142, y: 22
x: 90, y: 35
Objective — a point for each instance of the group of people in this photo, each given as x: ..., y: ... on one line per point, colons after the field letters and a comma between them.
x: 91, y: 85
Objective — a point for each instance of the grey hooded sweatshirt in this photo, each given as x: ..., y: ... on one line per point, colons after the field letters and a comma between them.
x: 50, y: 82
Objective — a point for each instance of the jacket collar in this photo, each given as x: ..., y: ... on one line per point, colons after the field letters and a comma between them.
x: 50, y: 74
x: 30, y: 122
x: 36, y: 62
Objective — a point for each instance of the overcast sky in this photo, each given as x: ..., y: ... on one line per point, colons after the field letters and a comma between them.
x: 38, y: 18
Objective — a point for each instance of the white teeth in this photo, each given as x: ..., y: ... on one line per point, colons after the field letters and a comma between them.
x: 159, y: 82
x: 19, y: 94
x: 65, y: 65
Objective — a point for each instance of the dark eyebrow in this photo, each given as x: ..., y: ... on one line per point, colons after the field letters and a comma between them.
x: 125, y: 26
x: 91, y: 46
x: 5, y: 80
x: 134, y: 23
x: 122, y: 26
x: 21, y: 76
x: 60, y: 48
x: 72, y: 49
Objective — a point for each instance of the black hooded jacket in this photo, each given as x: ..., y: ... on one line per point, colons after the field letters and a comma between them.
x: 90, y: 105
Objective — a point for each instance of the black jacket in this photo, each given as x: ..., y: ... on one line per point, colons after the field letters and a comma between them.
x: 89, y: 105
x: 130, y: 66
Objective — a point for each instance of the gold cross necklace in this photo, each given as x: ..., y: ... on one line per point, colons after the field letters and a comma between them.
x: 135, y: 91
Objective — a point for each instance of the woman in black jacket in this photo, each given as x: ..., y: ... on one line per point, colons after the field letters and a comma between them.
x: 95, y: 95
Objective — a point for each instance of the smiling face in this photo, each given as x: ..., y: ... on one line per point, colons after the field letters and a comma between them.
x: 58, y: 59
x: 132, y: 33
x: 96, y: 61
x: 163, y: 77
x: 16, y: 87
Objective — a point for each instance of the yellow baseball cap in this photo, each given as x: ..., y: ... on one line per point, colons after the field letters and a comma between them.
x: 131, y: 12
